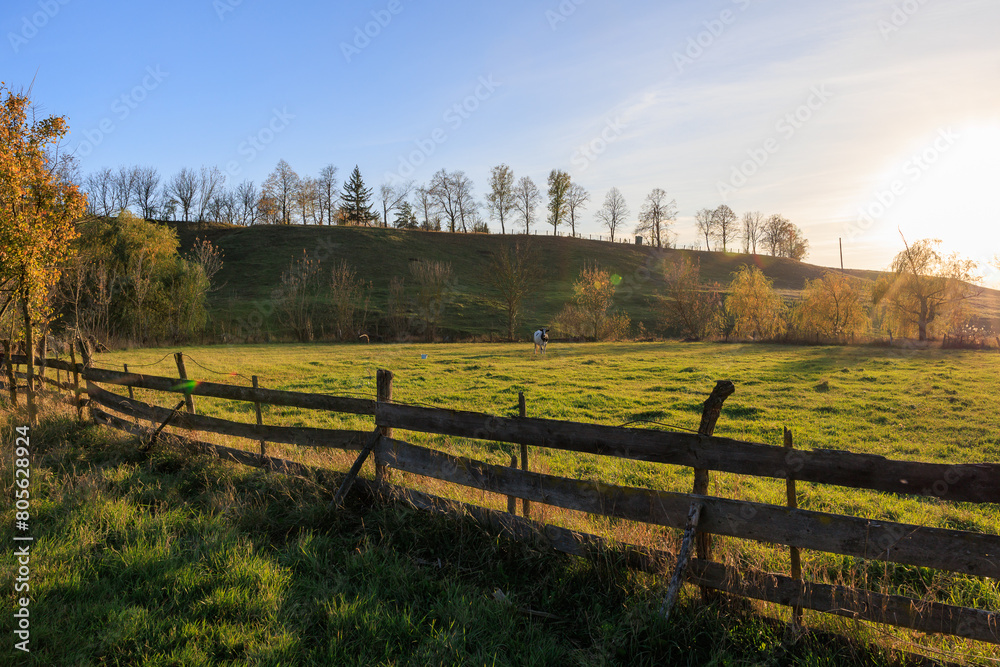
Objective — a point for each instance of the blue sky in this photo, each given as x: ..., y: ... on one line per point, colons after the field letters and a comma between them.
x: 850, y: 118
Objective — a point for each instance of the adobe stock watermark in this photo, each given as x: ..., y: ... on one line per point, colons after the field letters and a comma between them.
x: 31, y: 25
x: 363, y: 35
x: 223, y: 7
x: 912, y: 170
x: 122, y: 107
x: 562, y: 13
x: 786, y: 127
x: 714, y: 29
x: 900, y: 16
x: 454, y: 117
x: 255, y: 143
x: 585, y: 155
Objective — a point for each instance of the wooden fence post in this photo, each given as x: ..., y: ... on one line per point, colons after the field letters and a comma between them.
x: 182, y: 374
x: 523, y: 411
x: 43, y: 351
x: 260, y: 422
x: 11, y: 380
x: 87, y: 361
x: 511, y: 500
x: 76, y: 384
x: 793, y: 551
x: 131, y: 391
x: 709, y: 416
x: 383, y: 394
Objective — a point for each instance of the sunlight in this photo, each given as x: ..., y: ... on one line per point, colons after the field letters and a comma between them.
x: 950, y: 194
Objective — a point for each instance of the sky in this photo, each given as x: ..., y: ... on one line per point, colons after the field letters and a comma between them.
x: 860, y: 121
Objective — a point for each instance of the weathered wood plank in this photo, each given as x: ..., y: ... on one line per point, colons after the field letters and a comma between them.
x: 294, y: 435
x: 931, y: 617
x: 974, y: 482
x: 956, y: 550
x: 360, y: 406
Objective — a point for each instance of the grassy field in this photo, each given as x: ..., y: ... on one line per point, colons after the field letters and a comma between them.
x: 211, y: 563
x: 256, y: 256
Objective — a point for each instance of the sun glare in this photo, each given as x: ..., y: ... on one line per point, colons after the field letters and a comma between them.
x: 950, y: 186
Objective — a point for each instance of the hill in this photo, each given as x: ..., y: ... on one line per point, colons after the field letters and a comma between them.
x: 256, y: 256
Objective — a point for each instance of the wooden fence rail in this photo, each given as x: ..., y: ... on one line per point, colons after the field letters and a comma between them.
x: 959, y: 551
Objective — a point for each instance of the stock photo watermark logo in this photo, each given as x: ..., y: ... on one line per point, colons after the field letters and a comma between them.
x: 255, y: 143
x: 363, y: 35
x: 223, y: 7
x: 454, y: 117
x: 912, y: 171
x: 585, y: 155
x: 900, y: 16
x: 122, y: 108
x: 714, y: 29
x: 786, y: 127
x: 565, y: 9
x: 31, y: 25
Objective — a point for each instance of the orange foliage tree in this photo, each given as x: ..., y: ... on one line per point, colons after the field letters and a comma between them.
x: 38, y: 208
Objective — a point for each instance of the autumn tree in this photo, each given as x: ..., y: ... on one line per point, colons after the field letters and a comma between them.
x: 513, y: 273
x: 501, y: 198
x: 614, y: 211
x: 526, y: 200
x: 576, y: 200
x: 356, y: 201
x: 758, y: 310
x: 594, y: 294
x: 687, y: 304
x: 37, y: 211
x: 655, y: 218
x: 926, y: 286
x: 833, y: 305
x: 559, y: 185
x: 773, y: 234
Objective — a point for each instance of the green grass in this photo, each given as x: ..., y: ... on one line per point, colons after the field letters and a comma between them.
x: 145, y: 558
x: 256, y: 256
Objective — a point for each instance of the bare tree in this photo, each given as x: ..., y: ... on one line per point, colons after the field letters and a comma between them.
x: 559, y: 185
x: 501, y: 199
x: 391, y: 196
x: 614, y: 211
x: 526, y: 200
x: 183, y: 188
x: 99, y: 186
x: 247, y: 199
x: 280, y: 187
x: 326, y: 186
x: 753, y: 228
x: 705, y: 222
x: 468, y: 207
x: 210, y: 181
x: 725, y: 224
x: 513, y: 271
x: 147, y: 184
x: 656, y: 216
x: 432, y: 280
x: 123, y: 187
x: 576, y: 200
x: 444, y: 192
x: 428, y: 207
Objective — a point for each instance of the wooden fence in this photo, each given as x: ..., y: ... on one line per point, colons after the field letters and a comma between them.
x: 960, y: 551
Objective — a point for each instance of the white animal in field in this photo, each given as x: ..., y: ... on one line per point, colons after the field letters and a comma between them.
x: 541, y: 340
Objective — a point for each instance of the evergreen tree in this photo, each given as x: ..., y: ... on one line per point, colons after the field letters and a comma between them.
x: 405, y: 217
x: 356, y: 202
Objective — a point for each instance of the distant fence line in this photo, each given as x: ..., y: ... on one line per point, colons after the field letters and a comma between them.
x: 959, y: 551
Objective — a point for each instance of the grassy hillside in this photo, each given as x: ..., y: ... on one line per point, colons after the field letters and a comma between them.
x: 256, y: 256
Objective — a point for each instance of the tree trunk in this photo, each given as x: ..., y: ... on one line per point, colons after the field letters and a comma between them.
x: 29, y: 349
